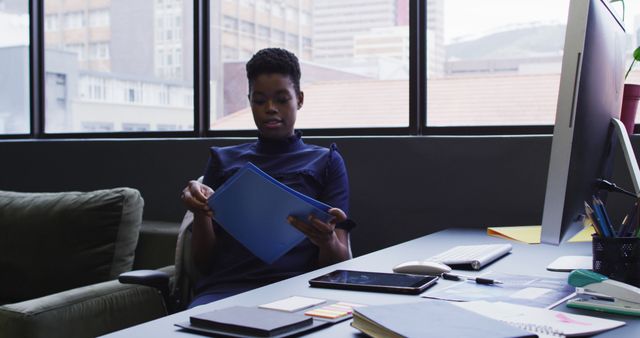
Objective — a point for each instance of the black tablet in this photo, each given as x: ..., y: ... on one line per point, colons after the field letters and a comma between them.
x: 374, y: 281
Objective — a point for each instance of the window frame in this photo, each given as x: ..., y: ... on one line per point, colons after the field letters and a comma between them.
x: 201, y: 109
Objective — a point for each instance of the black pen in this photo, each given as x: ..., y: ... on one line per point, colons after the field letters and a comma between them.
x: 479, y: 280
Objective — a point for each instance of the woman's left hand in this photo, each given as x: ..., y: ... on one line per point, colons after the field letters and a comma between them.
x: 319, y: 232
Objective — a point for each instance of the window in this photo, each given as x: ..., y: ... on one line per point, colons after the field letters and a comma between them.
x: 76, y: 48
x: 166, y: 127
x: 14, y: 69
x: 74, y: 20
x: 136, y: 127
x: 278, y: 36
x: 291, y: 15
x: 128, y: 75
x: 263, y: 32
x: 91, y: 126
x: 306, y: 43
x: 305, y: 18
x: 99, y: 51
x: 263, y: 5
x: 247, y: 27
x: 131, y: 95
x: 277, y: 10
x: 248, y: 3
x: 365, y: 79
x: 99, y: 18
x: 230, y: 23
x: 229, y: 53
x: 292, y: 42
x: 128, y: 66
x: 51, y: 23
x: 494, y: 65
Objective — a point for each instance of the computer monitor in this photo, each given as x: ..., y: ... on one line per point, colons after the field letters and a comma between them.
x: 590, y: 95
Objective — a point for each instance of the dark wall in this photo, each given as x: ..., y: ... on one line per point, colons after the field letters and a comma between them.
x: 401, y: 187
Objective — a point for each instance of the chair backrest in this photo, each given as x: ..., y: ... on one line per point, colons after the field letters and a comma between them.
x: 186, y: 274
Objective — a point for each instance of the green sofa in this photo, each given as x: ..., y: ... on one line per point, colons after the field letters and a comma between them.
x: 60, y: 254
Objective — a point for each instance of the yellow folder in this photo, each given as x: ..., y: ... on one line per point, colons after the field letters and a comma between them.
x: 584, y: 235
x: 530, y: 234
x: 527, y: 233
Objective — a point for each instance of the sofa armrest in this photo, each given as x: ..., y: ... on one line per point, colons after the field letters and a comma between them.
x: 82, y: 312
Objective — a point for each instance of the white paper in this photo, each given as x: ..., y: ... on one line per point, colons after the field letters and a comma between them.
x: 529, y: 293
x: 293, y: 303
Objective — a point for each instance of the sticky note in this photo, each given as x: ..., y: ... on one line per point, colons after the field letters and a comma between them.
x: 322, y: 313
x: 333, y: 311
x: 292, y: 304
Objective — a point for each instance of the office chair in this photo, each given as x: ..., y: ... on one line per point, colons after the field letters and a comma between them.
x: 178, y: 290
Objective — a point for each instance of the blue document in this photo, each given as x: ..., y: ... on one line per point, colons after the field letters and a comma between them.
x: 253, y: 207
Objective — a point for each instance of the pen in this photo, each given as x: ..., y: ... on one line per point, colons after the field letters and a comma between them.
x: 479, y: 280
x: 589, y: 212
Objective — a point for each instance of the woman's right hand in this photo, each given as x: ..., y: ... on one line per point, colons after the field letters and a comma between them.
x: 195, y: 196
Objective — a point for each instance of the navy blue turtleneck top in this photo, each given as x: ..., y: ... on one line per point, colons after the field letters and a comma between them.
x: 315, y: 171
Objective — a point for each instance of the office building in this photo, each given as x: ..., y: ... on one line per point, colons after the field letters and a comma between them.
x: 250, y: 25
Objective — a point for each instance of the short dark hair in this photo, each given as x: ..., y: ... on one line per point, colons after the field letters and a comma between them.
x: 274, y: 60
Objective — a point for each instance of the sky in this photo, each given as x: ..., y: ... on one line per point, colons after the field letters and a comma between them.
x: 465, y: 17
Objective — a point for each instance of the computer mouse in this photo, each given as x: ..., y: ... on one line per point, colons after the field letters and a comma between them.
x: 422, y: 268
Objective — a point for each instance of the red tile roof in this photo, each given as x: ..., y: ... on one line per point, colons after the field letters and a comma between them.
x: 452, y: 101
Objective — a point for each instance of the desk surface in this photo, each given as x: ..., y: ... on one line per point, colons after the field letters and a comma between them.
x: 524, y: 259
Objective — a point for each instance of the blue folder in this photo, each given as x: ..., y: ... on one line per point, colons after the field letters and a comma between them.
x: 253, y: 208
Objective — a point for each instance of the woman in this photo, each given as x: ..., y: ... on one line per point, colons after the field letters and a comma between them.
x: 275, y: 98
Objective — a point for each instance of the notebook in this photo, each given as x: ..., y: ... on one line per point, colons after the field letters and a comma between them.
x: 251, y: 321
x: 541, y: 321
x: 429, y: 319
x: 253, y: 208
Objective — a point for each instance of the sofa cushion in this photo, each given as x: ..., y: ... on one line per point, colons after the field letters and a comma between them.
x: 87, y: 311
x: 50, y: 242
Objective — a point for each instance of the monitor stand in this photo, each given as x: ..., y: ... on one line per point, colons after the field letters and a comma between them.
x: 569, y: 263
x: 629, y: 155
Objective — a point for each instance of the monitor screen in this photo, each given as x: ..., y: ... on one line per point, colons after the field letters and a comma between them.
x: 590, y: 95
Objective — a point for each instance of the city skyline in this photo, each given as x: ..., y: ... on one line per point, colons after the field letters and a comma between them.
x: 112, y: 65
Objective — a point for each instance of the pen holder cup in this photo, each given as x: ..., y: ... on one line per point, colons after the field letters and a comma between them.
x: 617, y: 258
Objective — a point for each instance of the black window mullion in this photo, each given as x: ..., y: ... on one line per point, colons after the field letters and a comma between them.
x: 36, y: 68
x: 417, y: 66
x: 201, y: 68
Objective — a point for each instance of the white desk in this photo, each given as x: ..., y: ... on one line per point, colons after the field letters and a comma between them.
x: 524, y: 259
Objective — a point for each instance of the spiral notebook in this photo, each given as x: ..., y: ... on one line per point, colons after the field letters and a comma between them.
x: 430, y: 318
x: 543, y: 322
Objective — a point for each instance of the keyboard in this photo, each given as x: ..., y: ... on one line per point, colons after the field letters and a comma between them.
x: 473, y: 256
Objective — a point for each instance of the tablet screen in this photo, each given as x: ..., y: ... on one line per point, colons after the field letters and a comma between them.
x: 364, y: 280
